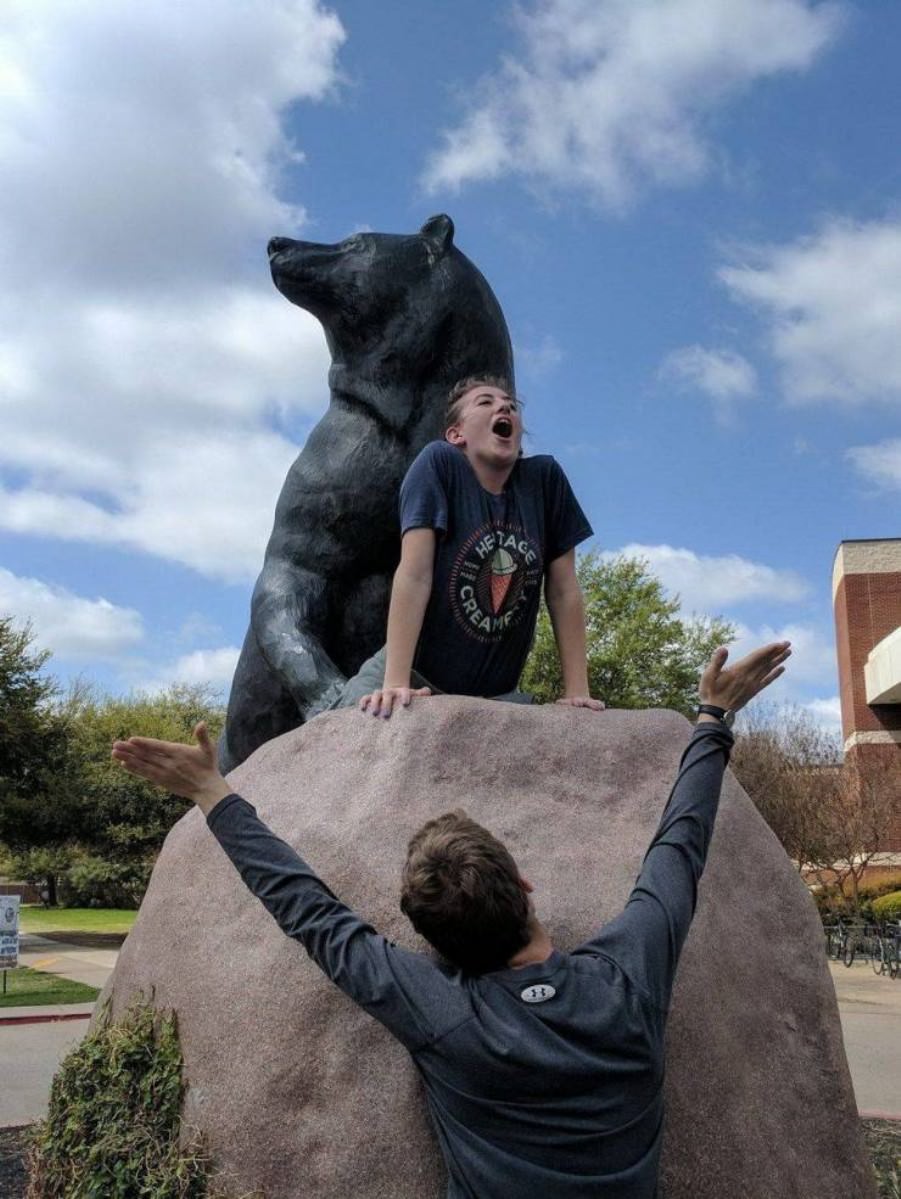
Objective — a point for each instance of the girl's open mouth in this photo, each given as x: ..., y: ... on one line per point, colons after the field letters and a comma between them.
x: 502, y: 427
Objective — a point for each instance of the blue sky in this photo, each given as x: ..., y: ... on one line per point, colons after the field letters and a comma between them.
x: 688, y: 209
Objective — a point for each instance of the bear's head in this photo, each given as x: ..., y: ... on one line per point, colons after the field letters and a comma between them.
x: 397, y: 306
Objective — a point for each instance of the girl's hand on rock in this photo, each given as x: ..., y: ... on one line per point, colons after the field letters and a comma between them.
x: 383, y: 702
x: 583, y: 701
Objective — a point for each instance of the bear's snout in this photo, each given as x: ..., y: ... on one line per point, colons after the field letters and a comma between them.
x: 279, y: 243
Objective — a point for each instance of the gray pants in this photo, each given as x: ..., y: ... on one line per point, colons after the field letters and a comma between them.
x: 371, y: 676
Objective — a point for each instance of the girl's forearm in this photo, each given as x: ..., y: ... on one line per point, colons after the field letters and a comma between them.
x: 567, y: 611
x: 409, y: 600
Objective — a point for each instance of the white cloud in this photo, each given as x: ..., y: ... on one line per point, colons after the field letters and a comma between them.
x: 827, y: 713
x: 880, y: 463
x: 723, y: 375
x: 609, y: 98
x: 832, y: 302
x: 210, y: 667
x: 70, y: 626
x: 709, y: 584
x: 148, y: 366
x: 813, y: 658
x: 80, y: 414
x: 141, y: 143
x: 207, y: 505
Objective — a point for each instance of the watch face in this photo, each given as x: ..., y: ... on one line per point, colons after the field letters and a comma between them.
x: 729, y: 719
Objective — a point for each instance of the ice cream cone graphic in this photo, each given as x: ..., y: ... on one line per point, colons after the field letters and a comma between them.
x: 503, y: 568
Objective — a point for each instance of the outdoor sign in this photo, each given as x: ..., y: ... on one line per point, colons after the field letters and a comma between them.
x: 9, y: 931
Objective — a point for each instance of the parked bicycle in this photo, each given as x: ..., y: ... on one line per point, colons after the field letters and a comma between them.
x: 886, y: 957
x: 857, y: 943
x: 835, y: 940
x: 847, y: 941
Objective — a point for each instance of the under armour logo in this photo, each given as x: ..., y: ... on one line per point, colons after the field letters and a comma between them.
x: 538, y: 994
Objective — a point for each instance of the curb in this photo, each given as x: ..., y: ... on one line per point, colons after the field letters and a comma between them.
x: 48, y: 1019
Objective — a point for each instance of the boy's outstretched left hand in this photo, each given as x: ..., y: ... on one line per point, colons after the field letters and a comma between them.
x: 186, y: 770
x: 583, y: 701
x: 733, y: 686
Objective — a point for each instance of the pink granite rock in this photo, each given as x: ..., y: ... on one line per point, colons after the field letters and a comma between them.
x: 302, y: 1094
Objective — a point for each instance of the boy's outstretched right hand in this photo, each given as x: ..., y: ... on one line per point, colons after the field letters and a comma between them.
x: 187, y: 770
x: 732, y: 687
x: 384, y: 701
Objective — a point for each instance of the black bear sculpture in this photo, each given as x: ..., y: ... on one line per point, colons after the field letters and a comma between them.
x: 405, y: 317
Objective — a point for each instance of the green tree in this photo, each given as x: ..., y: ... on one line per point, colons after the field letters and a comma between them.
x: 38, y: 803
x: 125, y: 819
x: 24, y: 707
x: 642, y: 653
x: 70, y: 818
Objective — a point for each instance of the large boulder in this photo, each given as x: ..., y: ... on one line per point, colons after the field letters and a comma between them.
x: 301, y: 1094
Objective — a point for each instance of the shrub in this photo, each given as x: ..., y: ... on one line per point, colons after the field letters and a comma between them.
x: 888, y: 907
x: 43, y: 867
x: 94, y: 882
x: 885, y: 886
x: 113, y: 1128
x: 833, y: 904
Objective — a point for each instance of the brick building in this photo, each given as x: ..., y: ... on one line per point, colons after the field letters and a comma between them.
x: 866, y: 598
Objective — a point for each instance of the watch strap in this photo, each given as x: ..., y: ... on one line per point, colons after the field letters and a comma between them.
x: 726, y: 715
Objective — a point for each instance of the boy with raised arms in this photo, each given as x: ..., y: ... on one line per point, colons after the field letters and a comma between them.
x: 542, y: 1069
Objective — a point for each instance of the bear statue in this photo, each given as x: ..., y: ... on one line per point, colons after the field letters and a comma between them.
x: 405, y: 317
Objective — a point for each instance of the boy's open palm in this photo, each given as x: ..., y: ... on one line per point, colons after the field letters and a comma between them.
x: 186, y: 770
x: 732, y: 687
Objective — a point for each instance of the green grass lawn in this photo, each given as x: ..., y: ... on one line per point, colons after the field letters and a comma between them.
x: 33, y: 918
x: 28, y: 988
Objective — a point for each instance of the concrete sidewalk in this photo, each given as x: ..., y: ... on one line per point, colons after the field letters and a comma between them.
x: 870, y: 1011
x: 30, y: 1054
x: 67, y: 959
x: 35, y: 1039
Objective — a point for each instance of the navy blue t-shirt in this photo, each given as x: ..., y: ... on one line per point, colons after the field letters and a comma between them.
x: 491, y: 555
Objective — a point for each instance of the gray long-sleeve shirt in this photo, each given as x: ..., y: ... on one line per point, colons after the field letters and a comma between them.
x: 560, y: 1098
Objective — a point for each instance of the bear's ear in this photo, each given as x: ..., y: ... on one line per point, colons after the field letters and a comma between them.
x: 439, y: 233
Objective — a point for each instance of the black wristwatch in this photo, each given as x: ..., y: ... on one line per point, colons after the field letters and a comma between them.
x: 726, y: 715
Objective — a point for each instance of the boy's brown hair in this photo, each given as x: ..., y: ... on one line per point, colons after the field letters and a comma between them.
x: 462, y: 891
x: 459, y: 390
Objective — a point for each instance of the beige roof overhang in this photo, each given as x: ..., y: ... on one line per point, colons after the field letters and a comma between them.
x: 882, y: 670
